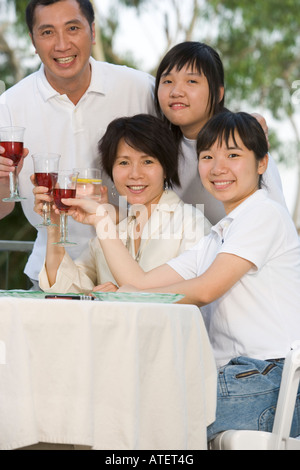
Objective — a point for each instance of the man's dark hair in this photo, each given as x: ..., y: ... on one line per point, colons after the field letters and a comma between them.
x: 85, y: 6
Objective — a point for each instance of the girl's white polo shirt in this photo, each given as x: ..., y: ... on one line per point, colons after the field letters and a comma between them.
x: 260, y: 316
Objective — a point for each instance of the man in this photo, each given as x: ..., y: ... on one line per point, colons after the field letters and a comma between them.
x: 66, y: 105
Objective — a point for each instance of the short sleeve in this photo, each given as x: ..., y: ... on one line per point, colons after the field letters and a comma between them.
x: 186, y: 264
x: 256, y: 235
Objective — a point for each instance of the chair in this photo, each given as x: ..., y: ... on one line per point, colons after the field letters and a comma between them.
x: 279, y: 438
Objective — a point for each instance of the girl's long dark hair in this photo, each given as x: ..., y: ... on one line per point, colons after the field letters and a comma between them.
x: 205, y: 60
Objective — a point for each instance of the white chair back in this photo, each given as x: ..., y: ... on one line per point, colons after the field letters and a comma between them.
x: 279, y: 438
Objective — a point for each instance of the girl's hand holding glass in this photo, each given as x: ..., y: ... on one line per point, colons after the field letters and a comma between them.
x: 82, y: 210
x: 101, y: 216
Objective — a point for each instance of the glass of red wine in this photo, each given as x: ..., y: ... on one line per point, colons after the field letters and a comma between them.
x: 65, y: 187
x: 46, y: 172
x: 12, y: 140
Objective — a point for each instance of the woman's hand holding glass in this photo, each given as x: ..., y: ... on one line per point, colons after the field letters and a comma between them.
x: 46, y: 167
x: 65, y: 187
x: 41, y: 196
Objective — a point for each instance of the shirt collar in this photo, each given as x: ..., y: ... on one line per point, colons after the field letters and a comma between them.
x: 99, y: 79
x: 97, y: 85
x: 221, y: 227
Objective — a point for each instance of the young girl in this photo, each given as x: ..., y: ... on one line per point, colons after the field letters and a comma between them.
x: 140, y: 157
x: 245, y: 275
x: 189, y: 90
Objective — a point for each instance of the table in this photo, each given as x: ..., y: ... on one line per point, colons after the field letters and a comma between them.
x: 108, y: 375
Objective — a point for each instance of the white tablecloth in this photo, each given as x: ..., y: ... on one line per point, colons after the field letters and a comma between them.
x: 110, y: 375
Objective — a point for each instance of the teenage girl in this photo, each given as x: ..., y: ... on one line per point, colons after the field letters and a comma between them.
x: 189, y: 90
x: 244, y: 275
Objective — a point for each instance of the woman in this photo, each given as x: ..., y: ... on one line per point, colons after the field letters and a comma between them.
x: 245, y: 275
x: 140, y: 156
x: 189, y: 90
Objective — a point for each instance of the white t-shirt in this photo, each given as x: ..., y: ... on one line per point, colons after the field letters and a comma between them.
x: 54, y: 124
x: 193, y: 192
x: 260, y: 316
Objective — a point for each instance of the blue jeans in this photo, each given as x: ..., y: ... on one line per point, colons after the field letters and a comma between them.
x: 247, y: 396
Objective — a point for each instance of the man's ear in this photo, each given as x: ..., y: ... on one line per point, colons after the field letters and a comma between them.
x: 31, y: 37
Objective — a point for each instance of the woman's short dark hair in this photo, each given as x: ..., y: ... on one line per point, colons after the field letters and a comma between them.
x: 85, y: 6
x: 205, y: 60
x: 223, y: 127
x: 145, y: 133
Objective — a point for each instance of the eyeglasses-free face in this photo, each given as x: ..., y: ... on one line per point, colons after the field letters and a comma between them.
x: 230, y: 173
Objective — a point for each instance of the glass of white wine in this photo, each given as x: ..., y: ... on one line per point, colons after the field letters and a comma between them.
x: 89, y: 182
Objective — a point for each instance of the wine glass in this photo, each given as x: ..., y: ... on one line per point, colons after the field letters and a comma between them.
x: 89, y: 183
x: 12, y: 140
x: 65, y: 187
x: 45, y: 172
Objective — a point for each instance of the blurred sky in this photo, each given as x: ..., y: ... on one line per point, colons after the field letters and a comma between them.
x: 141, y: 34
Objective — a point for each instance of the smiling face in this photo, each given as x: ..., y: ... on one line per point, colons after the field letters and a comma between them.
x: 137, y: 176
x: 183, y: 96
x: 230, y: 172
x: 63, y: 39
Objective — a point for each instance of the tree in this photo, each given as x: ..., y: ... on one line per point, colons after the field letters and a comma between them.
x: 11, y: 48
x: 260, y: 48
x: 259, y: 43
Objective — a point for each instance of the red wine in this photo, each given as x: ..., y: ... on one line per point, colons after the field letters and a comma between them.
x: 59, y: 194
x: 46, y: 179
x: 13, y: 150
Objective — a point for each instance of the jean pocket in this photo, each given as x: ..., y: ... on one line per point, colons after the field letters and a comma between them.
x: 250, y: 373
x: 246, y: 376
x: 266, y: 419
